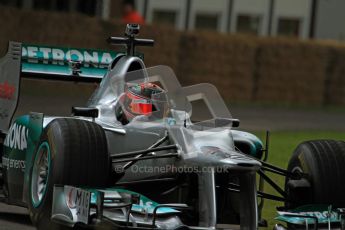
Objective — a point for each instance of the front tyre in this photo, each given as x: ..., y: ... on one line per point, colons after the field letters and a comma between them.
x: 323, y: 161
x: 70, y: 152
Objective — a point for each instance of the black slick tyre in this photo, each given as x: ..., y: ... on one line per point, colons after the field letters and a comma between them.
x: 70, y: 152
x: 323, y: 161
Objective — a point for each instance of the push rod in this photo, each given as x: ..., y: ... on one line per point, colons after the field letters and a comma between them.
x: 272, y: 183
x: 262, y: 195
x: 168, y: 155
x: 145, y: 151
x: 156, y: 144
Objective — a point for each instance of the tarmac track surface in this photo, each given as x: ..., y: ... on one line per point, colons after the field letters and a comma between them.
x: 257, y: 118
x: 13, y: 218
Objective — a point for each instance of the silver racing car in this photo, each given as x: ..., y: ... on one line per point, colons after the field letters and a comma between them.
x: 147, y: 153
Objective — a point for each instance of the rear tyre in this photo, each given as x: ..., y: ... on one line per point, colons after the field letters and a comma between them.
x: 70, y: 152
x: 323, y: 161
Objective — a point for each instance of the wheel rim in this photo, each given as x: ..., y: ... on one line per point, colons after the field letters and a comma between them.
x: 40, y: 174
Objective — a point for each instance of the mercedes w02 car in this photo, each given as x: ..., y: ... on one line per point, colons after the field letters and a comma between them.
x: 146, y: 153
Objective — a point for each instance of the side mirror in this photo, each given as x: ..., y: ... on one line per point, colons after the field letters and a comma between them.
x: 85, y: 112
x: 221, y: 122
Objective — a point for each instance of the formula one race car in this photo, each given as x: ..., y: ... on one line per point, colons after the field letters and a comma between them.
x: 147, y: 153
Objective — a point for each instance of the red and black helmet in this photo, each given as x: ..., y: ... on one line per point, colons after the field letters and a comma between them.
x: 141, y: 99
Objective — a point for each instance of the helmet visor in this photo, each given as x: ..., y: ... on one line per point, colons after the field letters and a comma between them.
x: 146, y: 99
x: 143, y: 107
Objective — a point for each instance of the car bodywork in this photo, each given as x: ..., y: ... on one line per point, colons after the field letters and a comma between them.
x: 24, y: 133
x: 184, y: 140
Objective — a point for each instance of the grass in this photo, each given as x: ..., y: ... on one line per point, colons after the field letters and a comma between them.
x: 282, y: 144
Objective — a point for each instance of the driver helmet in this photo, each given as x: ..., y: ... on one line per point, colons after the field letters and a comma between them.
x: 143, y: 99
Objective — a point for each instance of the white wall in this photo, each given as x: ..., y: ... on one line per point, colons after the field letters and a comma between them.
x: 213, y: 7
x: 330, y: 20
x: 140, y: 5
x: 293, y: 9
x: 251, y: 7
x: 299, y: 9
x: 105, y: 11
x: 179, y: 6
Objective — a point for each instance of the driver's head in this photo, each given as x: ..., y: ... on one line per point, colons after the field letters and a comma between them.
x: 142, y: 99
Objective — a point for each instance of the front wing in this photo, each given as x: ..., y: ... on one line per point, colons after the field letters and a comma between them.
x: 118, y: 207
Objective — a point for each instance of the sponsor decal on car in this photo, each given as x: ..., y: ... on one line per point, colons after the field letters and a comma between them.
x: 7, y: 90
x: 17, y: 137
x: 9, y: 163
x: 78, y: 201
x: 61, y: 56
x: 63, y: 61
